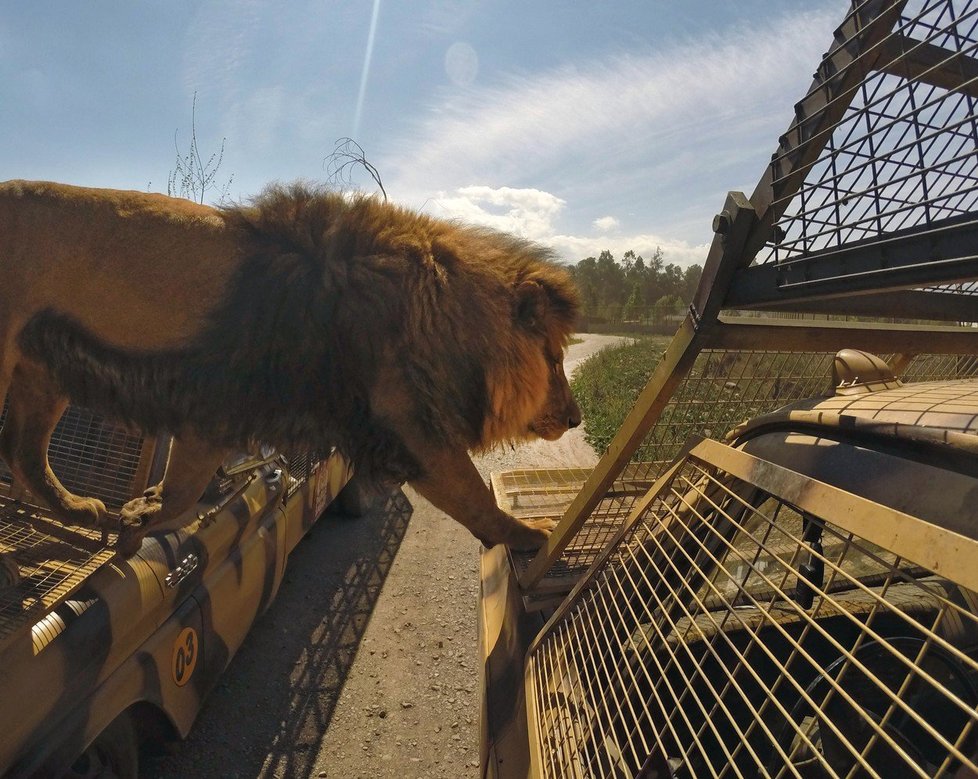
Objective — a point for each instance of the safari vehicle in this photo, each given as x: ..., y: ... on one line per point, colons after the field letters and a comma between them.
x: 801, y: 600
x: 99, y: 652
x: 794, y: 594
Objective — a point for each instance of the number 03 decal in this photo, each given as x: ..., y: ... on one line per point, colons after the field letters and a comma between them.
x: 184, y: 658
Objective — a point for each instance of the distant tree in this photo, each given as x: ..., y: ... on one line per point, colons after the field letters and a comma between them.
x: 667, y: 305
x: 589, y: 296
x: 612, y: 288
x: 635, y: 306
x: 691, y: 280
x: 191, y: 177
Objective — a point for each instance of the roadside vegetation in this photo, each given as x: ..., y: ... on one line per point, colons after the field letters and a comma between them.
x: 607, y: 384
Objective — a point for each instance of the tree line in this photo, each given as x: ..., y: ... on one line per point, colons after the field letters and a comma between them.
x: 634, y: 289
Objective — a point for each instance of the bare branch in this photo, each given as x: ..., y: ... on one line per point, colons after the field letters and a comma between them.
x: 191, y: 177
x: 347, y: 155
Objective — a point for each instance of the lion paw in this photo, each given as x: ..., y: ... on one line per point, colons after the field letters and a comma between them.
x: 129, y: 541
x: 530, y: 534
x: 85, y: 512
x: 139, y: 512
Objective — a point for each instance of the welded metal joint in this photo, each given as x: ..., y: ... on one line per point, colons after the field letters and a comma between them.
x: 721, y: 222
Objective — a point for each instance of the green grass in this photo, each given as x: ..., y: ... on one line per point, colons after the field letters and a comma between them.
x: 607, y: 384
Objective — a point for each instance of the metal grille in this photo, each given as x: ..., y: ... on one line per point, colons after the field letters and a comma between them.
x: 902, y: 155
x: 532, y: 494
x: 724, y: 388
x: 732, y: 632
x: 92, y: 456
x: 299, y: 468
x: 52, y: 561
x: 934, y: 367
x: 727, y: 386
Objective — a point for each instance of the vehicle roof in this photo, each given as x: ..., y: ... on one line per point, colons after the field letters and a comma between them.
x: 868, y: 399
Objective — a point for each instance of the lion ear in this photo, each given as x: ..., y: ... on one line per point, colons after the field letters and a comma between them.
x: 531, y: 303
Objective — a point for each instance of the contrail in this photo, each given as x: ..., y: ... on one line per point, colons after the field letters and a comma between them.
x: 366, y: 67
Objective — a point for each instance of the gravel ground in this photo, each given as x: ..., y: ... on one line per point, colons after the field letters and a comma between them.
x: 367, y: 663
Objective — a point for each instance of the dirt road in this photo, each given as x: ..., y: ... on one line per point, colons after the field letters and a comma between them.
x: 366, y: 665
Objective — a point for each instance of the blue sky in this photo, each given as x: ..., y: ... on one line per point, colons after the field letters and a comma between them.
x: 584, y: 126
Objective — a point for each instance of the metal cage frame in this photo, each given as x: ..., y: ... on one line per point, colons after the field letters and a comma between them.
x: 863, y: 228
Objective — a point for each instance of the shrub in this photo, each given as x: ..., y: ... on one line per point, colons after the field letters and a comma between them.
x: 607, y: 384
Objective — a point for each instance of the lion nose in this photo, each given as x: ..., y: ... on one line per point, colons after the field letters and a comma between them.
x: 574, y: 419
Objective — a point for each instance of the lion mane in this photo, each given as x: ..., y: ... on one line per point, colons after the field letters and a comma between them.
x: 323, y: 320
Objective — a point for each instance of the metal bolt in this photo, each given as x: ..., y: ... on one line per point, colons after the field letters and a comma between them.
x: 721, y: 223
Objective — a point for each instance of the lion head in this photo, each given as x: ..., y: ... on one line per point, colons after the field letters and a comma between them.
x: 529, y: 393
x: 463, y: 326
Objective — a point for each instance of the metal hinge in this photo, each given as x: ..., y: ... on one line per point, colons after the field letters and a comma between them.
x: 187, y: 566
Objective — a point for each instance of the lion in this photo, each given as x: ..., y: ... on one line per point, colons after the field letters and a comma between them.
x: 305, y: 319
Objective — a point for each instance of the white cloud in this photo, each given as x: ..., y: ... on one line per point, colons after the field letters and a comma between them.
x: 640, y: 133
x: 529, y: 213
x: 606, y: 223
x: 527, y: 121
x: 532, y: 214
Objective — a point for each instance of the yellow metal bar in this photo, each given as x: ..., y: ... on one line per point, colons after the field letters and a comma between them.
x: 670, y: 371
x: 938, y: 549
x: 808, y: 335
x: 731, y: 226
x: 637, y: 511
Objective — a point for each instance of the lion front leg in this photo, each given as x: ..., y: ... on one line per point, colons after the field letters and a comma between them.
x: 34, y: 408
x: 164, y: 506
x: 452, y: 484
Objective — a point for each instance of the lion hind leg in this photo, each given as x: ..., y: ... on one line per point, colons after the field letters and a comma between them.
x: 34, y: 407
x: 164, y: 506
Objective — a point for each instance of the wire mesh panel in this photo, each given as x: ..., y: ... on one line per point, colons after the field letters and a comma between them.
x: 731, y: 631
x: 934, y: 367
x: 92, y: 456
x: 299, y: 468
x: 903, y: 153
x: 724, y: 388
x: 52, y: 562
x: 876, y: 182
x: 532, y: 494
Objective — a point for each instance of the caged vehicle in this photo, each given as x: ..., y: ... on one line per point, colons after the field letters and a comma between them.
x: 100, y: 652
x: 801, y: 600
x: 794, y: 595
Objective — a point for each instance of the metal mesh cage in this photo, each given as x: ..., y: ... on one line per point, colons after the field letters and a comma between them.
x: 902, y: 154
x: 724, y: 388
x: 52, y: 562
x: 92, y: 456
x: 747, y: 624
x: 299, y: 468
x: 861, y: 234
